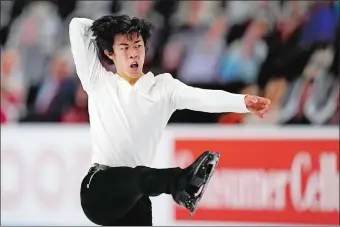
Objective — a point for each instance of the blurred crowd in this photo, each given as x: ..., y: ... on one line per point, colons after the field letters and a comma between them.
x: 287, y: 51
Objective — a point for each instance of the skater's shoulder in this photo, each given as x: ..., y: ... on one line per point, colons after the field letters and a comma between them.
x: 165, y: 80
x: 168, y: 82
x: 164, y: 77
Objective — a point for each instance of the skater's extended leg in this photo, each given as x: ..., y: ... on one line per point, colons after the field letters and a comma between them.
x: 111, y: 193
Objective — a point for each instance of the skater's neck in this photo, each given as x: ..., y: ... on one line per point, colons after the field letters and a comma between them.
x: 129, y: 79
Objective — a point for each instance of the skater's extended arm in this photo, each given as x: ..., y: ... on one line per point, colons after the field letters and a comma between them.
x: 84, y: 52
x: 213, y: 101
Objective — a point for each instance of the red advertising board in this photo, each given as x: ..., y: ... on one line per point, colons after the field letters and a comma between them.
x: 291, y: 181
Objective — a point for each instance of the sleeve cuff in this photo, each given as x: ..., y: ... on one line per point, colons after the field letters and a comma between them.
x: 242, y: 103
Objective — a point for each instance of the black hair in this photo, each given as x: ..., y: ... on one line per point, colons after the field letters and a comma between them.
x: 107, y: 27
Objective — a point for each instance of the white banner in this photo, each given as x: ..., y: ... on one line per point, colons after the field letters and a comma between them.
x: 41, y: 171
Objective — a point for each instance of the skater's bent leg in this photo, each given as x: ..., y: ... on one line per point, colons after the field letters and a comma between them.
x: 115, y: 191
x: 139, y: 215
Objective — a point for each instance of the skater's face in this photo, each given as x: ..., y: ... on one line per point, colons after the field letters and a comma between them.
x: 128, y: 55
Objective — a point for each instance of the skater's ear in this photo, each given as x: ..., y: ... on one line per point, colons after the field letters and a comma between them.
x: 109, y: 55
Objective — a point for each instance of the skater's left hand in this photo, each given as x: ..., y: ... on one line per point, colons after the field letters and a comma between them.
x: 257, y: 105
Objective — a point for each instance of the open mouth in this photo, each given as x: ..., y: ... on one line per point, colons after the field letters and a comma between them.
x: 134, y: 65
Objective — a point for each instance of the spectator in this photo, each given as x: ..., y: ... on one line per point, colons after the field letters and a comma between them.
x: 33, y: 35
x: 10, y: 106
x: 13, y: 87
x: 193, y: 52
x: 300, y: 91
x: 55, y: 93
x: 196, y: 13
x: 283, y: 44
x: 202, y: 55
x: 321, y: 18
x: 243, y: 58
x: 92, y: 9
x: 77, y: 112
x: 239, y: 14
x: 323, y: 105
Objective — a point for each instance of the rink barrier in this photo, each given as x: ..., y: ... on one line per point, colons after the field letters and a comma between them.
x: 266, y: 175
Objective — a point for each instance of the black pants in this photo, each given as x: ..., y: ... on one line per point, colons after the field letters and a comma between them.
x: 120, y: 195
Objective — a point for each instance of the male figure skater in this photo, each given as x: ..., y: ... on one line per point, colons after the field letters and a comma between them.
x: 128, y: 111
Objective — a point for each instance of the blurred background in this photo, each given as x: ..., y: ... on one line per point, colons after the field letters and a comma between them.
x: 287, y: 51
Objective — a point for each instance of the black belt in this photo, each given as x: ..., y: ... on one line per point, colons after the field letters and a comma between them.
x: 96, y: 167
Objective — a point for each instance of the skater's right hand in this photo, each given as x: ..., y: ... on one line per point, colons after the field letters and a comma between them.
x: 257, y: 105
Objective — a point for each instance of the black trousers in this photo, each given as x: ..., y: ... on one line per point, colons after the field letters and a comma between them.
x: 119, y: 196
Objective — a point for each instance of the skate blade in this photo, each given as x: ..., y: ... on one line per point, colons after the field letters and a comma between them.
x: 215, y: 159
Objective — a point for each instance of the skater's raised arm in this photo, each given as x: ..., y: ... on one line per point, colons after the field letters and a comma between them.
x: 84, y: 51
x: 215, y: 101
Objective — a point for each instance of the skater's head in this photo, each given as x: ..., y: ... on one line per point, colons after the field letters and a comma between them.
x: 122, y: 41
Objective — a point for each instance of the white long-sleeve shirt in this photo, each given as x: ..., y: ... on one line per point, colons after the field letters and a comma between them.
x: 126, y: 122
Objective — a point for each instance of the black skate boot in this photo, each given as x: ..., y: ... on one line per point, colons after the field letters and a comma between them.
x: 200, y: 173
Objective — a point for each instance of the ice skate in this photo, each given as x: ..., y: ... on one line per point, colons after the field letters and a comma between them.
x: 201, y: 171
